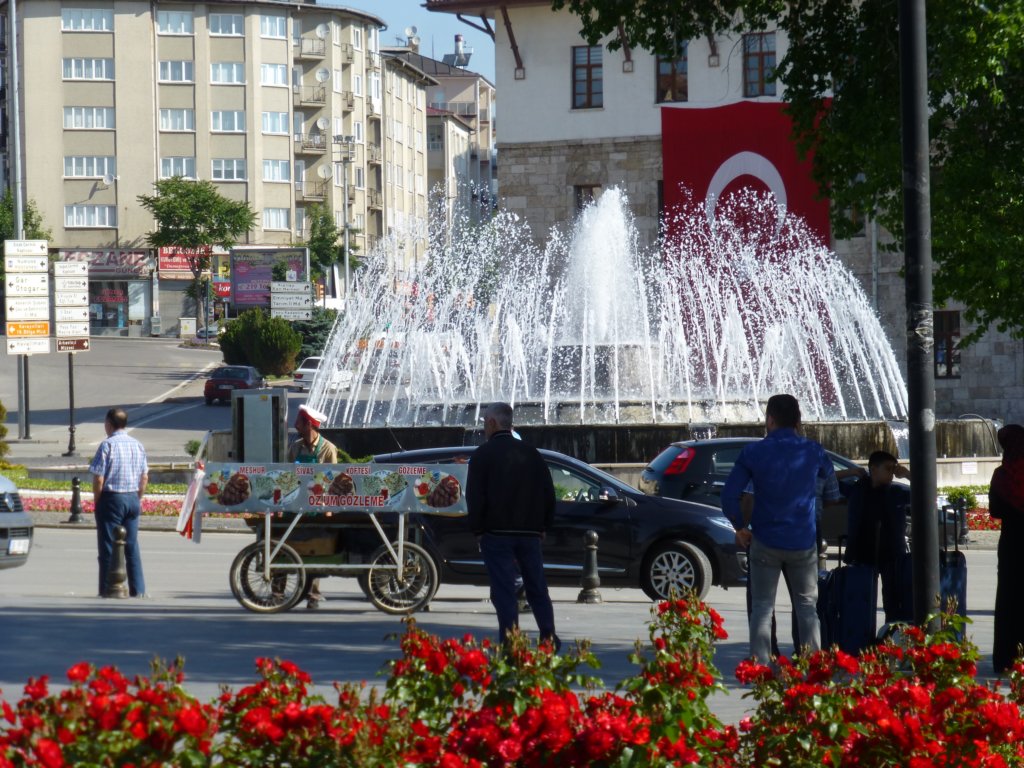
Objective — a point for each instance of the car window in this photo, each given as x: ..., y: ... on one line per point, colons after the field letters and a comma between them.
x: 311, y: 362
x: 230, y: 373
x: 572, y: 486
x: 723, y: 460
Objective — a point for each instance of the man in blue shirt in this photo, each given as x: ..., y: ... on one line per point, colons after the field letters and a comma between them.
x: 784, y: 470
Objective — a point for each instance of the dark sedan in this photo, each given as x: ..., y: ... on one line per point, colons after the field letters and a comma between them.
x: 657, y: 544
x: 15, y: 527
x: 224, y: 380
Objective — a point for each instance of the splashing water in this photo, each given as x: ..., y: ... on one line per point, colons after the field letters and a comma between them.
x: 594, y: 329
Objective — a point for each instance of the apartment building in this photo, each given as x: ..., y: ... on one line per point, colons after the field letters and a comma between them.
x: 280, y: 104
x: 579, y: 118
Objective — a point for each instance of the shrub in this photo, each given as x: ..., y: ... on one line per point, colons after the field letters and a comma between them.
x: 192, y: 447
x: 240, y: 341
x: 277, y: 347
x: 962, y: 494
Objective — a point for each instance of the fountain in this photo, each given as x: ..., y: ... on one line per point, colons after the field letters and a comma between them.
x: 592, y: 329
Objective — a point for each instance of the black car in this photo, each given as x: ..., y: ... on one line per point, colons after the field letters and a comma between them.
x: 696, y: 470
x: 15, y: 527
x: 224, y: 380
x: 657, y: 544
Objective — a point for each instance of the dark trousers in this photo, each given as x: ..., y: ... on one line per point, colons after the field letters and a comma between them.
x: 112, y: 510
x: 506, y: 558
x: 795, y: 623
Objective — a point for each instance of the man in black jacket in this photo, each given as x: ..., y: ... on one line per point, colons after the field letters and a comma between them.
x: 511, y: 501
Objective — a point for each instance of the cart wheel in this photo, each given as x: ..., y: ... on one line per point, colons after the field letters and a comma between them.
x: 417, y: 586
x: 283, y: 590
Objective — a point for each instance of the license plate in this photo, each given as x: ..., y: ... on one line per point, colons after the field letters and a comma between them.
x: 226, y: 386
x: 18, y: 546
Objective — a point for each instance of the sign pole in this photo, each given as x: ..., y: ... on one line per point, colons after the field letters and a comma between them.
x: 23, y: 429
x: 71, y: 405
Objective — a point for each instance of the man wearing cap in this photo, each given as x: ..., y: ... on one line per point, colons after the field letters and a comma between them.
x: 312, y: 448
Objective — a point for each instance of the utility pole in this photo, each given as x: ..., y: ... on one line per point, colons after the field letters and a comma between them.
x: 347, y: 154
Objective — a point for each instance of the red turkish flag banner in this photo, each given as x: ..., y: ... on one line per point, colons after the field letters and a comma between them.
x: 719, y: 150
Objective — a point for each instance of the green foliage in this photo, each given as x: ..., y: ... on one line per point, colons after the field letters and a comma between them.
x: 4, y: 447
x: 279, y: 271
x: 31, y: 220
x: 240, y: 338
x: 192, y: 447
x: 314, y: 332
x: 963, y: 493
x: 277, y: 347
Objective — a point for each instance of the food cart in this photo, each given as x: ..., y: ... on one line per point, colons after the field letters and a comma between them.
x: 315, y: 520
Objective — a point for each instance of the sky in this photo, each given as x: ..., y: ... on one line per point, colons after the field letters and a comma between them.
x: 436, y: 30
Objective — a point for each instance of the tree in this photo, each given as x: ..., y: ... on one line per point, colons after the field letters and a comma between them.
x: 841, y: 75
x: 31, y: 219
x: 193, y: 216
x: 325, y: 250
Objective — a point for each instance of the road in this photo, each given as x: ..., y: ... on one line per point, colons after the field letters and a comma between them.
x: 51, y: 619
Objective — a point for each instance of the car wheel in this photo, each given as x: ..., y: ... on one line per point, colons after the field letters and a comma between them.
x: 673, y: 568
x: 209, y: 401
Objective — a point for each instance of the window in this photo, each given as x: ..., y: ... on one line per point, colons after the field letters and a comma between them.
x: 177, y: 166
x: 947, y: 340
x: 227, y: 72
x: 277, y: 218
x: 177, y: 120
x: 232, y: 24
x: 375, y: 86
x: 357, y: 131
x: 89, y: 166
x: 435, y: 137
x: 357, y: 38
x: 95, y: 118
x: 759, y: 64
x: 273, y: 26
x: 672, y: 77
x: 275, y: 122
x: 276, y: 170
x: 174, y: 22
x: 228, y: 169
x: 570, y: 486
x: 584, y: 194
x: 273, y: 74
x: 357, y: 85
x: 88, y: 69
x: 176, y: 72
x: 398, y: 176
x: 337, y: 81
x: 339, y: 173
x: 90, y: 216
x: 587, y: 77
x: 360, y: 180
x: 86, y: 20
x: 336, y: 34
x: 227, y: 121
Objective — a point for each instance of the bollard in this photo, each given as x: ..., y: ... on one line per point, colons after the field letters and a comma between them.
x: 76, y: 502
x: 590, y: 580
x: 117, y: 573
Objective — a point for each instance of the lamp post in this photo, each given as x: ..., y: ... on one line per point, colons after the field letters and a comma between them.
x: 347, y: 144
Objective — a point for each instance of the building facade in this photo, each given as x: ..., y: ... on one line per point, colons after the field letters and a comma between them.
x: 579, y: 118
x: 281, y: 105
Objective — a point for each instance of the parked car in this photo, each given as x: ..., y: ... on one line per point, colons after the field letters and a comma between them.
x: 308, y: 368
x: 224, y: 380
x: 657, y: 544
x: 211, y: 331
x: 15, y: 527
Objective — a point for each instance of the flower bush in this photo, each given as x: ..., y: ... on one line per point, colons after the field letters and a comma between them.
x: 458, y: 703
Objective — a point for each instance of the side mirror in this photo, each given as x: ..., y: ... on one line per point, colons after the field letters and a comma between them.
x: 608, y: 495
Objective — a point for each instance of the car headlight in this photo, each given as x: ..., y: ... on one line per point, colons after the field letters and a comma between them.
x: 722, y: 522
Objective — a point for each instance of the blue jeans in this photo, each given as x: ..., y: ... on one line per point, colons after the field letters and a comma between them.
x: 506, y: 558
x: 112, y: 510
x: 802, y: 572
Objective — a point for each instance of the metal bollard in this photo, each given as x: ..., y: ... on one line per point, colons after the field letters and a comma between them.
x: 590, y: 580
x: 117, y: 573
x: 76, y: 502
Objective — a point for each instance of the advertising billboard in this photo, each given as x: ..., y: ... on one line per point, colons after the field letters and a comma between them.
x: 252, y: 270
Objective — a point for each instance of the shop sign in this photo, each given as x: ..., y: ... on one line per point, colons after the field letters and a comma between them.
x: 112, y: 262
x: 176, y: 263
x: 222, y: 289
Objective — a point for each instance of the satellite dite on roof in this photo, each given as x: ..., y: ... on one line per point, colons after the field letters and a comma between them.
x: 461, y: 56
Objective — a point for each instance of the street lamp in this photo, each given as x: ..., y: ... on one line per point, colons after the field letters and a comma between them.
x: 348, y: 151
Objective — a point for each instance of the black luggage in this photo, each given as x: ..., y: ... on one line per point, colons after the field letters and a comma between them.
x: 847, y: 607
x: 952, y: 569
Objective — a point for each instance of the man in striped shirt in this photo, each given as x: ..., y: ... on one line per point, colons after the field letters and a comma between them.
x: 119, y: 477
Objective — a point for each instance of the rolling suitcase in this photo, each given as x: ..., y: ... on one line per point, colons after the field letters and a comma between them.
x: 847, y: 607
x: 952, y: 569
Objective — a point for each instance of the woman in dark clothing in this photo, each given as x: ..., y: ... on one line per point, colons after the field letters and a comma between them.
x: 1006, y: 503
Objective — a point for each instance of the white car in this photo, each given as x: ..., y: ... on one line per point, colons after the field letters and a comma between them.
x: 16, y: 527
x: 303, y: 375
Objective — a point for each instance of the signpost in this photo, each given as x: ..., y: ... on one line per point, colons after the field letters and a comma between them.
x: 27, y: 293
x: 291, y: 300
x: 71, y: 321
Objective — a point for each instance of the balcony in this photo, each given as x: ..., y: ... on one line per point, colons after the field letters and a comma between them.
x: 310, y: 143
x: 374, y: 199
x: 373, y: 60
x: 348, y: 100
x: 309, y: 95
x: 310, y: 48
x: 374, y: 154
x: 351, y: 193
x: 372, y: 109
x: 348, y: 53
x: 311, y: 191
x: 461, y: 108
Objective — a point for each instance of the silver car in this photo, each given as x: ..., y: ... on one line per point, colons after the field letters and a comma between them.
x: 15, y: 527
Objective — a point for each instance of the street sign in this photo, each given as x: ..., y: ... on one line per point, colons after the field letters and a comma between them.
x: 39, y: 345
x: 32, y: 308
x: 281, y: 286
x: 27, y: 284
x: 67, y: 314
x: 70, y: 330
x: 24, y: 263
x: 72, y: 345
x: 70, y: 268
x: 292, y: 314
x: 71, y: 299
x: 290, y: 300
x: 75, y: 283
x: 28, y: 328
x: 25, y: 248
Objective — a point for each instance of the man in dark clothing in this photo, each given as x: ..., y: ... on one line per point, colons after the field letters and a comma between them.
x: 877, y: 528
x: 511, y: 502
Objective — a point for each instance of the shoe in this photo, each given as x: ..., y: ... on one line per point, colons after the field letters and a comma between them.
x: 312, y: 605
x: 143, y: 596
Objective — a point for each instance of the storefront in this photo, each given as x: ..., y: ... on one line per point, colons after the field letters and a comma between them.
x: 122, y: 287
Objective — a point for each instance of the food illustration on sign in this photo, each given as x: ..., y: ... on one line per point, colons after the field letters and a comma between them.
x: 237, y: 490
x: 342, y: 485
x: 438, y: 489
x: 279, y: 486
x: 390, y: 485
